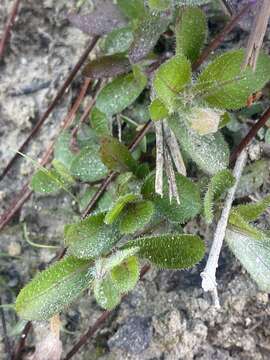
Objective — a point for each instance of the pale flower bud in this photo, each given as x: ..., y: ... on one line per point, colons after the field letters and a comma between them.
x: 205, y: 120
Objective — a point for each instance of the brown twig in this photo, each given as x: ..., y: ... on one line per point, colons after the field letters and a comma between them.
x: 8, y: 27
x: 58, y: 96
x: 220, y: 37
x: 92, y: 329
x: 21, y: 344
x: 250, y: 135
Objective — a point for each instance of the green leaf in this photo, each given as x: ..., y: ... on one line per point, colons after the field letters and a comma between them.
x: 251, y: 212
x: 120, y: 93
x: 190, y: 201
x: 209, y: 152
x: 254, y: 255
x: 190, y: 32
x: 158, y: 110
x: 219, y: 183
x: 133, y: 9
x: 87, y: 166
x: 107, y: 66
x: 116, y: 155
x: 99, y: 122
x: 118, y: 41
x: 226, y: 85
x: 63, y: 173
x: 146, y: 34
x: 118, y: 207
x: 52, y: 290
x: 90, y: 237
x: 62, y: 150
x: 170, y: 79
x: 241, y: 225
x: 126, y: 275
x: 135, y: 216
x: 105, y: 265
x: 172, y: 251
x: 45, y: 181
x: 190, y: 2
x: 106, y: 293
x: 159, y: 4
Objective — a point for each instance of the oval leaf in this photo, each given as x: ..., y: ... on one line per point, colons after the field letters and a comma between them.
x: 106, y: 67
x: 118, y: 207
x: 135, y: 216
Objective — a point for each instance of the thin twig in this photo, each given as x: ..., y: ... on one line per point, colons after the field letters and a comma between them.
x: 58, y: 96
x: 227, y: 7
x: 8, y: 349
x: 257, y: 34
x: 159, y: 158
x: 220, y: 37
x: 173, y: 191
x: 8, y: 27
x: 22, y: 340
x: 250, y: 135
x: 92, y: 329
x: 209, y: 274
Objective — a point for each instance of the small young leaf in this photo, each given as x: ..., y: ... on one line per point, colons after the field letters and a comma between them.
x: 251, y: 212
x: 120, y: 93
x: 106, y: 293
x: 133, y: 9
x: 190, y: 2
x: 135, y: 216
x: 90, y: 237
x: 158, y: 110
x: 204, y: 120
x: 105, y: 265
x: 45, y: 181
x: 190, y: 201
x: 87, y: 166
x: 106, y: 67
x: 118, y: 41
x: 99, y: 122
x: 219, y: 183
x: 102, y: 20
x: 159, y: 4
x: 62, y: 150
x: 254, y: 255
x: 126, y: 275
x: 54, y: 289
x: 118, y: 207
x: 146, y: 35
x: 170, y: 79
x: 116, y: 155
x: 190, y: 32
x: 209, y: 152
x: 172, y: 251
x: 224, y: 84
x: 63, y: 173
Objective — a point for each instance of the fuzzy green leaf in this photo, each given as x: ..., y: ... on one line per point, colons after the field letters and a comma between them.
x: 118, y: 41
x: 87, y: 166
x: 126, y: 275
x: 170, y: 79
x: 190, y: 32
x: 105, y: 265
x: 190, y: 201
x: 133, y: 9
x: 158, y: 110
x: 62, y: 150
x: 159, y: 4
x: 118, y: 207
x: 106, y: 293
x: 209, y: 152
x: 90, y: 237
x: 219, y: 183
x: 253, y: 253
x: 116, y: 155
x: 99, y: 122
x: 121, y: 92
x: 52, y: 290
x: 251, y: 212
x: 172, y: 251
x: 190, y: 2
x: 224, y: 84
x: 135, y: 216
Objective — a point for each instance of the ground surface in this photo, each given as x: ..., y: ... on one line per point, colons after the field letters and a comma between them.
x: 167, y: 316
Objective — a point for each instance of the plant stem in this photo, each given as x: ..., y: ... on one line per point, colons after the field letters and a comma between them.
x: 6, y: 338
x: 209, y: 274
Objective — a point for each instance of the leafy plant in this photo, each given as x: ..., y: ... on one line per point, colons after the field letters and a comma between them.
x: 190, y: 111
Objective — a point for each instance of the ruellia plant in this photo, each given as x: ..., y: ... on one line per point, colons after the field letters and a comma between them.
x: 149, y: 55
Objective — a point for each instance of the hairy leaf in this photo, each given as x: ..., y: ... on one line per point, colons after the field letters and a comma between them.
x: 133, y: 9
x: 135, y: 216
x: 90, y: 237
x: 118, y: 207
x: 106, y: 293
x: 190, y: 2
x: 209, y: 152
x: 252, y: 211
x: 116, y: 155
x: 118, y: 41
x: 87, y: 166
x: 102, y: 20
x: 190, y: 201
x: 219, y: 183
x: 190, y: 32
x: 172, y: 251
x: 121, y: 92
x: 170, y: 79
x: 126, y: 275
x: 62, y: 151
x: 52, y: 290
x: 107, y: 67
x: 105, y: 265
x: 99, y: 122
x: 159, y: 4
x: 226, y: 85
x: 157, y: 110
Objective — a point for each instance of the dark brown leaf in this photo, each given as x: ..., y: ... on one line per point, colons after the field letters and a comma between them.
x: 106, y: 67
